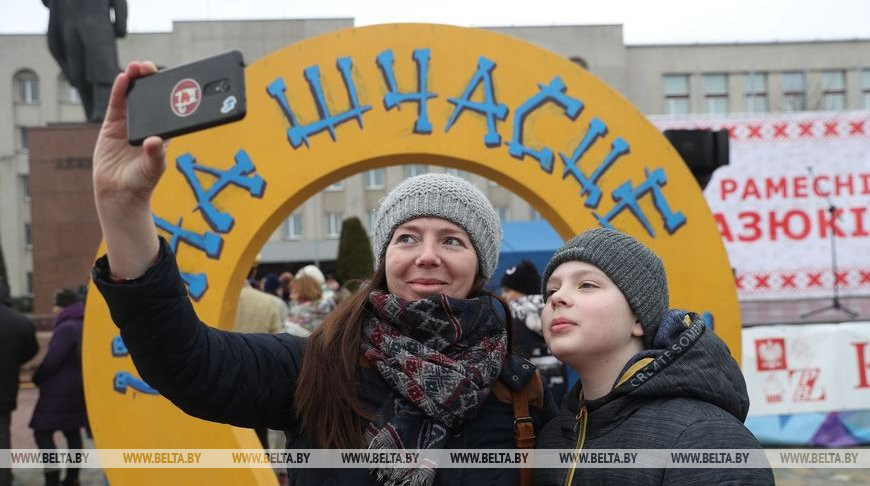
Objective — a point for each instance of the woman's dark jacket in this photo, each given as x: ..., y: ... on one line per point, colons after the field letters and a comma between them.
x: 688, y: 393
x: 61, y: 404
x: 248, y: 380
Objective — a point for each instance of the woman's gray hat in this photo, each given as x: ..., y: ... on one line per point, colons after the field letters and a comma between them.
x: 635, y: 269
x: 441, y: 196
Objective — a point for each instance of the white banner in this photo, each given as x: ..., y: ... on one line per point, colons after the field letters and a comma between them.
x: 807, y: 368
x: 772, y: 202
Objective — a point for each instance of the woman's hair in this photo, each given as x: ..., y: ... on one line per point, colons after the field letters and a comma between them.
x: 306, y: 289
x: 326, y: 399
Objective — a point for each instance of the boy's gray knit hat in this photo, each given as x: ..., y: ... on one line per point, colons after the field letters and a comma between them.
x: 441, y: 196
x: 635, y: 269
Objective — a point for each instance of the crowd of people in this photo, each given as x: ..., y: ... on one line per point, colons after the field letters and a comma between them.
x: 61, y: 403
x: 17, y: 346
x: 292, y: 303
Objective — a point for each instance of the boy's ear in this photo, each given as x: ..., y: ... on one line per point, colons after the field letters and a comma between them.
x: 637, y: 329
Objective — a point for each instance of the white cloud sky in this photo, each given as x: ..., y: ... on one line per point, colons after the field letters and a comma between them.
x: 644, y: 21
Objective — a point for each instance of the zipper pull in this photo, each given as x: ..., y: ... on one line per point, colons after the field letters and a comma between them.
x: 580, y: 428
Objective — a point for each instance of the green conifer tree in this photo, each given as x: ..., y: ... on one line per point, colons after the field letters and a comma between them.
x: 355, y: 261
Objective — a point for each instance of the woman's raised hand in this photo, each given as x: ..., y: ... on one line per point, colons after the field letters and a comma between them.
x: 124, y: 180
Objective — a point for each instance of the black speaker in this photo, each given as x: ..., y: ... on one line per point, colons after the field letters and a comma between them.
x: 704, y: 151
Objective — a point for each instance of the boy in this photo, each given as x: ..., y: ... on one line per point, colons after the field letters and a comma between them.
x: 650, y: 378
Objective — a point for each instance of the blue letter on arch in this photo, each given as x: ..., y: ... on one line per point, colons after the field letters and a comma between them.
x: 208, y: 242
x: 237, y: 175
x: 618, y: 148
x: 627, y: 197
x: 490, y: 107
x: 555, y: 92
x: 393, y: 97
x: 298, y: 134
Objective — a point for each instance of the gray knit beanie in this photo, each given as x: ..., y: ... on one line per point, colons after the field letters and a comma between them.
x: 441, y: 196
x: 635, y: 269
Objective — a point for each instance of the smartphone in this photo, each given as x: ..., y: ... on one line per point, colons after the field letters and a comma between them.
x: 187, y: 98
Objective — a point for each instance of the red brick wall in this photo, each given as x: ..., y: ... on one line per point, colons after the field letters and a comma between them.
x: 64, y: 228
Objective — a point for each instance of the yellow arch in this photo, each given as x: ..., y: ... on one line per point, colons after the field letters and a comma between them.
x: 509, y: 101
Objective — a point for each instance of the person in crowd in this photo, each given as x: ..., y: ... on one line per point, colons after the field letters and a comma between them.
x: 61, y: 403
x: 308, y: 309
x: 272, y: 285
x: 332, y: 282
x: 252, y: 279
x: 339, y: 291
x: 286, y: 279
x: 259, y: 311
x: 17, y: 346
x: 521, y: 287
x: 412, y: 361
x: 650, y: 378
x: 326, y: 293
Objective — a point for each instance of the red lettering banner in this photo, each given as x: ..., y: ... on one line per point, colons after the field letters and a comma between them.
x: 794, y: 181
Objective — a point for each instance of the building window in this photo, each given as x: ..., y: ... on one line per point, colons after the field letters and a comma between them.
x: 371, y: 219
x: 794, y: 92
x: 25, y: 186
x: 374, y: 179
x: 414, y: 170
x: 755, y: 92
x: 458, y: 173
x: 503, y: 214
x: 22, y: 139
x: 294, y: 227
x: 676, y: 94
x: 716, y: 93
x: 68, y: 93
x: 30, y: 283
x: 28, y: 241
x: 333, y: 225
x: 26, y: 87
x: 865, y: 87
x: 336, y: 186
x: 833, y: 90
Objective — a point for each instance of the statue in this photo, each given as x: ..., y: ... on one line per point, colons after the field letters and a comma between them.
x: 81, y: 38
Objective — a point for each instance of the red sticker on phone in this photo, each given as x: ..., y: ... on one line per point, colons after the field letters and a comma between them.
x: 185, y: 97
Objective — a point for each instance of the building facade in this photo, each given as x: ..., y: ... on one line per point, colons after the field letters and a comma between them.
x: 659, y: 79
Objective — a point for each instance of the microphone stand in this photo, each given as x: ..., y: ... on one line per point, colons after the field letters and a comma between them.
x: 835, y: 300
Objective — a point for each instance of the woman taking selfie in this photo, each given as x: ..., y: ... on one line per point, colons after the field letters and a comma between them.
x: 411, y: 361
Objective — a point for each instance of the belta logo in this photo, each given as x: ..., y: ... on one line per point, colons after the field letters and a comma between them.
x: 185, y: 97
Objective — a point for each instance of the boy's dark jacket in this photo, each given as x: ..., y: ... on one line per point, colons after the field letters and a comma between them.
x: 685, y: 393
x: 248, y: 380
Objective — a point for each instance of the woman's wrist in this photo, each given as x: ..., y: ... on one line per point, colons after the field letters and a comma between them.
x: 131, y: 244
x: 118, y: 279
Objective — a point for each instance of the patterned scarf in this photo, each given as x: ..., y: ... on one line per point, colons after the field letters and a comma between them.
x: 441, y: 356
